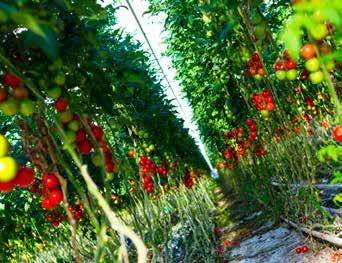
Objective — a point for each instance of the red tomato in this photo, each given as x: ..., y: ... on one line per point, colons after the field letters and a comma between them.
x: 337, y: 133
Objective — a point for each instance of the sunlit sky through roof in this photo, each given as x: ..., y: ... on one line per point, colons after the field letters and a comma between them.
x: 153, y: 27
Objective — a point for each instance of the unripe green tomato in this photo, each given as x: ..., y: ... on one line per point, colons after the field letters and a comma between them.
x: 209, y: 34
x: 291, y: 74
x: 318, y: 16
x: 151, y: 147
x: 319, y: 32
x: 60, y: 78
x: 4, y: 146
x: 9, y: 107
x: 256, y: 18
x: 27, y: 107
x: 316, y: 77
x: 260, y: 31
x: 265, y: 113
x: 257, y: 77
x: 97, y: 160
x: 280, y: 74
x: 74, y: 125
x: 70, y: 137
x: 330, y: 65
x: 312, y: 64
x: 110, y: 176
x: 54, y: 93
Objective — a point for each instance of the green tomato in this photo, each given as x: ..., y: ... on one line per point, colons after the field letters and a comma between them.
x: 318, y: 16
x: 9, y: 107
x: 256, y: 18
x: 60, y: 78
x: 4, y: 146
x: 8, y: 169
x: 74, y: 125
x: 27, y: 107
x: 312, y: 64
x: 265, y: 113
x: 42, y: 83
x: 291, y: 74
x: 54, y: 93
x: 110, y: 176
x: 257, y: 77
x: 97, y: 160
x: 206, y: 18
x: 316, y: 77
x: 330, y: 65
x: 209, y: 34
x: 280, y: 74
x: 319, y: 32
x: 260, y: 31
x: 151, y: 147
x: 70, y: 137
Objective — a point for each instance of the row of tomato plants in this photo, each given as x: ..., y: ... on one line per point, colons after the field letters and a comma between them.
x: 263, y: 80
x: 94, y: 124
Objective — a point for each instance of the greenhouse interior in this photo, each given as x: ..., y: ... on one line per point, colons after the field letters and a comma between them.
x: 176, y: 131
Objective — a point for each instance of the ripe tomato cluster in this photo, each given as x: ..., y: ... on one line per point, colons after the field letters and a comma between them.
x: 163, y: 169
x: 187, y: 180
x: 10, y: 175
x: 53, y: 196
x: 147, y: 170
x: 14, y: 97
x: 255, y: 67
x: 264, y: 102
x: 242, y: 143
x: 77, y: 210
x: 55, y: 218
x: 285, y: 68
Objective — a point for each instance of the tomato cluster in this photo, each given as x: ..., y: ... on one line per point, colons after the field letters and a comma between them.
x: 14, y: 97
x: 77, y: 210
x: 147, y: 169
x: 302, y: 249
x: 55, y: 218
x: 163, y: 169
x: 285, y: 68
x: 53, y: 196
x: 312, y: 64
x: 242, y: 143
x: 264, y: 102
x: 10, y: 175
x: 187, y: 180
x: 75, y: 133
x: 255, y: 66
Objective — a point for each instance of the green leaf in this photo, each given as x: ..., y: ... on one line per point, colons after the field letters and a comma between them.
x: 338, y: 199
x: 337, y: 177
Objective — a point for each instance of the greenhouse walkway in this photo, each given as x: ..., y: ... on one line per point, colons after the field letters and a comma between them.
x: 255, y: 239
